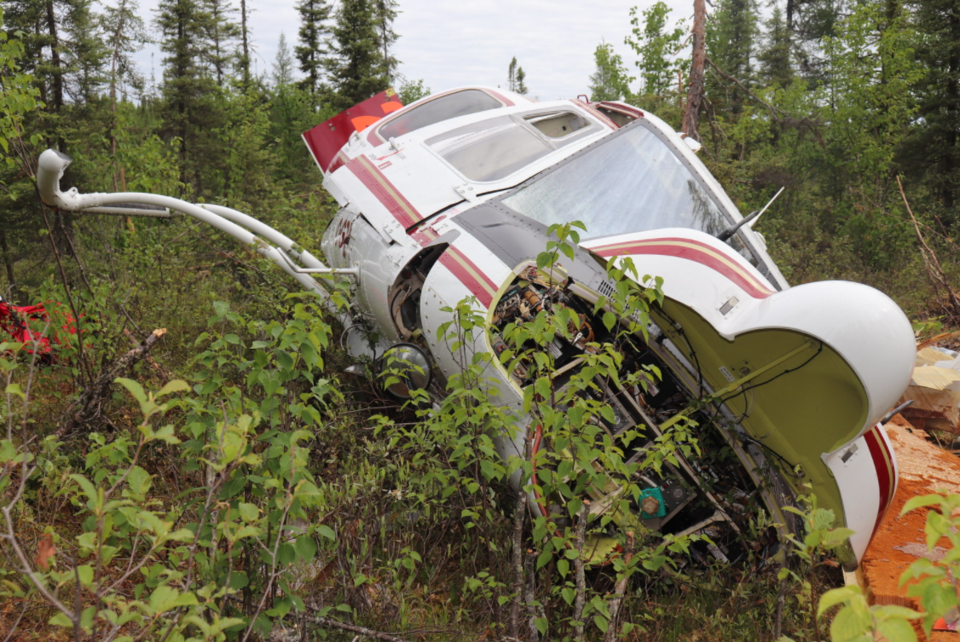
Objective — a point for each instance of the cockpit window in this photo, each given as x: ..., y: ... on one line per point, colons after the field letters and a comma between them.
x: 461, y: 103
x: 629, y: 182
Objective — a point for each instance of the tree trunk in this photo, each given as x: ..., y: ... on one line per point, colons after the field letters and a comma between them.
x: 113, y: 87
x: 245, y: 62
x: 695, y: 94
x: 55, y: 59
x: 7, y: 258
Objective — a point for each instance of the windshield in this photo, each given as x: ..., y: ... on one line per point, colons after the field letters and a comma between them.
x: 631, y: 182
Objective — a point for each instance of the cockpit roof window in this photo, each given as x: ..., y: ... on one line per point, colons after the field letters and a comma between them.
x: 632, y: 181
x: 495, y: 148
x: 491, y: 149
x: 460, y: 103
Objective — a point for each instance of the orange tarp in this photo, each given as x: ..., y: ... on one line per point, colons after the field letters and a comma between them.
x: 924, y: 469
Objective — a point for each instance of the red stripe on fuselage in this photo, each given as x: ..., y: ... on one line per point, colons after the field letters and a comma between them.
x: 469, y: 274
x: 385, y: 191
x: 466, y: 271
x: 700, y: 254
x: 884, y: 472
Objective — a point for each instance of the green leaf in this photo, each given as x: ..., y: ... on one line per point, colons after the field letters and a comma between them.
x: 601, y: 622
x: 836, y: 596
x: 248, y: 512
x: 898, y: 630
x: 919, y: 502
x: 849, y: 625
x: 173, y: 386
x: 133, y: 388
x: 14, y: 389
x: 325, y: 531
x: 306, y: 547
x: 60, y: 620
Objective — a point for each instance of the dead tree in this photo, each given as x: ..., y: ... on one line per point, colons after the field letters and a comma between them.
x: 695, y: 92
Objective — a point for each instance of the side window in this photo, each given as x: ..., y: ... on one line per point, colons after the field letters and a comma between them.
x: 461, y: 103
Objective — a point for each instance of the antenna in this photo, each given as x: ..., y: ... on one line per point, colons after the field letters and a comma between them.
x: 749, y: 218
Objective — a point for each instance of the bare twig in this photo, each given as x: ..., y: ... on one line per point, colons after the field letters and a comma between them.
x: 519, y: 514
x: 534, y: 609
x: 580, y: 600
x: 370, y: 633
x: 88, y: 405
x: 935, y: 272
x: 620, y: 590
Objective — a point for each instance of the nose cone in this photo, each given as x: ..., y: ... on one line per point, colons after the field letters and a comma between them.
x: 863, y: 325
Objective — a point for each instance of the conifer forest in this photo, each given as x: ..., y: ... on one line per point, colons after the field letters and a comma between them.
x: 189, y: 458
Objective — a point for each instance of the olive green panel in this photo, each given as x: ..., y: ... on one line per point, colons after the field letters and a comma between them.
x: 809, y: 404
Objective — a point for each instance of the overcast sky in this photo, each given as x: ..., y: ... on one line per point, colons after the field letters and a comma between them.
x: 470, y: 42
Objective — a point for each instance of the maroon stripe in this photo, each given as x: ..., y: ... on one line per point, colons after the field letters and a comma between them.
x: 469, y: 280
x: 691, y: 254
x: 506, y: 101
x: 622, y: 108
x: 336, y: 164
x: 604, y: 119
x: 370, y: 180
x: 891, y: 459
x: 883, y: 474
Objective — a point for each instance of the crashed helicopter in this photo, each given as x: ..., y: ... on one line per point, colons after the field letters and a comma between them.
x: 452, y: 196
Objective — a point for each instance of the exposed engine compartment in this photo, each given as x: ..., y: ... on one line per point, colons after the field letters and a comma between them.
x: 709, y: 494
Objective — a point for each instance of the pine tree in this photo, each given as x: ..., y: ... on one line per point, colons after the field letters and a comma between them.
x: 85, y: 53
x: 933, y: 151
x: 776, y: 66
x: 283, y: 64
x: 512, y: 75
x: 221, y: 32
x: 384, y: 13
x: 243, y: 57
x: 521, y: 84
x: 312, y: 47
x: 124, y: 29
x: 188, y: 91
x: 731, y: 34
x: 356, y: 67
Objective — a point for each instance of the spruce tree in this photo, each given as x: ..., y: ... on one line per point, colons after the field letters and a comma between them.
x: 384, y: 13
x: 189, y: 93
x: 312, y: 48
x: 776, y: 66
x: 933, y: 151
x: 731, y: 34
x: 85, y: 54
x: 355, y: 66
x: 283, y: 64
x: 521, y: 81
x: 222, y: 31
x: 243, y: 56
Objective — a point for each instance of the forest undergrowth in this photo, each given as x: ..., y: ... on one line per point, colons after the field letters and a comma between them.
x: 236, y: 483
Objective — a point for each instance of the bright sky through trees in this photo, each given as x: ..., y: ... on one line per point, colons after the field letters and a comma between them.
x: 450, y: 44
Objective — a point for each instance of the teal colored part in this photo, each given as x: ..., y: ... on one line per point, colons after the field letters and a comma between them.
x: 658, y: 494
